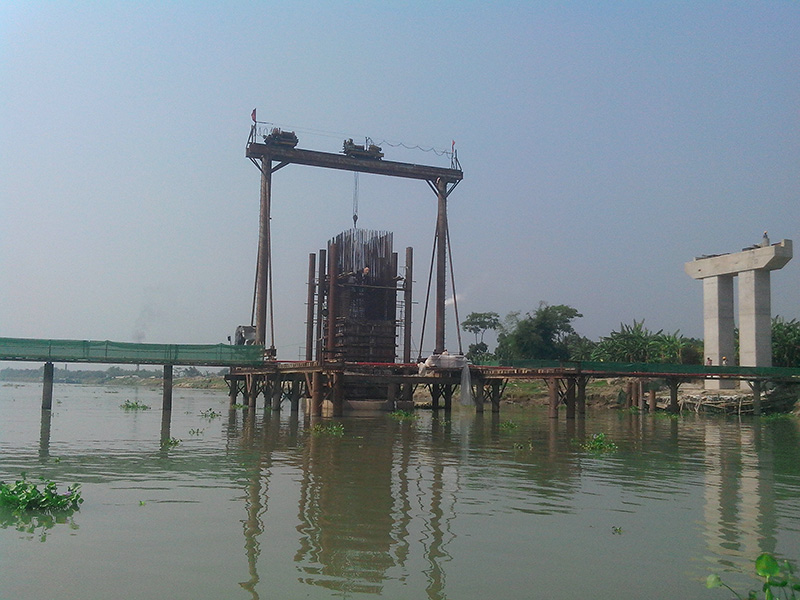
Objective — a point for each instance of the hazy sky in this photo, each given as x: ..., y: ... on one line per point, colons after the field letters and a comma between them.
x: 603, y: 145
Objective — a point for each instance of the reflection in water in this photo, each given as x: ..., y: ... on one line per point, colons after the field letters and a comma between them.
x: 448, y: 506
x: 368, y: 502
x: 738, y: 493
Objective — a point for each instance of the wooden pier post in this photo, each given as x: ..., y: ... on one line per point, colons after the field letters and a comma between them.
x: 569, y: 398
x: 673, y: 384
x: 295, y: 398
x: 251, y: 394
x: 629, y: 393
x: 496, y: 395
x: 338, y: 394
x: 447, y: 390
x: 277, y: 393
x: 652, y: 401
x: 640, y: 395
x: 392, y: 392
x: 756, y: 387
x: 47, y: 387
x: 316, y: 394
x: 581, y: 397
x: 552, y: 389
x: 233, y: 389
x: 166, y: 394
x: 478, y: 400
x: 435, y: 393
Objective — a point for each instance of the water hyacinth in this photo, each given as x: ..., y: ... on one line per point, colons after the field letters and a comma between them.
x: 22, y: 495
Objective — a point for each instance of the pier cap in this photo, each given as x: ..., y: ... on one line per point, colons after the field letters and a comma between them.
x: 768, y: 258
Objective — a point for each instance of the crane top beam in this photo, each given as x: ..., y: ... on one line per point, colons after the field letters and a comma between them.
x: 342, y: 162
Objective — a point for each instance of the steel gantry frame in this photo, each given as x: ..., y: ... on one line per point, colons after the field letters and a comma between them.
x: 269, y: 158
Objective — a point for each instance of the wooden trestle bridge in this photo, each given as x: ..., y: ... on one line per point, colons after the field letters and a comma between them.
x: 324, y: 384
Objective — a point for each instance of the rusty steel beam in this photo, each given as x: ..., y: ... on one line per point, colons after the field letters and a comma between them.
x: 341, y: 162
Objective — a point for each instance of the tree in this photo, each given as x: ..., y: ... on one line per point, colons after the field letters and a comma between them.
x: 785, y: 342
x: 478, y: 324
x: 541, y: 335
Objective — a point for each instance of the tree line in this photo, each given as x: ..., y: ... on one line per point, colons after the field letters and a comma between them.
x: 547, y: 333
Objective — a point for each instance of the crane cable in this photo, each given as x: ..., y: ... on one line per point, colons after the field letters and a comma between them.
x: 355, y: 199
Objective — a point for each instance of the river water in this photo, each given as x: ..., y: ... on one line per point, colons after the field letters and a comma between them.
x: 457, y: 506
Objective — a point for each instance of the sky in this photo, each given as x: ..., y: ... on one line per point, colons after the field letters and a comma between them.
x: 603, y: 145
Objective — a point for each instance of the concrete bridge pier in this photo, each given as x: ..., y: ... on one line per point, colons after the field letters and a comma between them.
x: 752, y: 266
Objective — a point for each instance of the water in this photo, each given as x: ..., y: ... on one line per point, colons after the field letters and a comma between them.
x: 460, y: 506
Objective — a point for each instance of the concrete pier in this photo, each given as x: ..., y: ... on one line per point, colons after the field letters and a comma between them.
x: 752, y: 266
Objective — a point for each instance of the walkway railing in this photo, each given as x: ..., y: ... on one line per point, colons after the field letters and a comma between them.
x: 210, y: 355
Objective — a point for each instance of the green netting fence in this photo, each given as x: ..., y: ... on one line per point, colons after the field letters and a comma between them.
x: 657, y: 368
x: 223, y: 355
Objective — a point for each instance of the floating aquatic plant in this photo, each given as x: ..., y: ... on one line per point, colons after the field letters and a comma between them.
x: 599, y: 443
x: 403, y: 415
x: 777, y: 583
x: 210, y: 413
x: 22, y: 495
x: 134, y: 405
x: 332, y: 429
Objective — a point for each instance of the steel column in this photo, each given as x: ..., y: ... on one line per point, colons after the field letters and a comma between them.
x: 310, y: 307
x: 263, y: 262
x: 407, y: 299
x: 441, y: 265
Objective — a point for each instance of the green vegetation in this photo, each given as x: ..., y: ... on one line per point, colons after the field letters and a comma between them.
x: 170, y: 443
x: 785, y: 342
x: 134, y: 405
x: 210, y: 413
x: 599, y: 443
x: 777, y: 583
x: 330, y: 429
x: 404, y: 415
x: 543, y: 334
x: 22, y: 495
x: 508, y: 425
x: 636, y: 343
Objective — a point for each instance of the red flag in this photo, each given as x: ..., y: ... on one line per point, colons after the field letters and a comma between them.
x: 253, y: 115
x: 453, y: 146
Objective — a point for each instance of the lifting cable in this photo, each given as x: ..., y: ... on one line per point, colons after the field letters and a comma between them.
x: 355, y: 199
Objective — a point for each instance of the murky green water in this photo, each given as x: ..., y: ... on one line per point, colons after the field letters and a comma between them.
x: 449, y: 506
